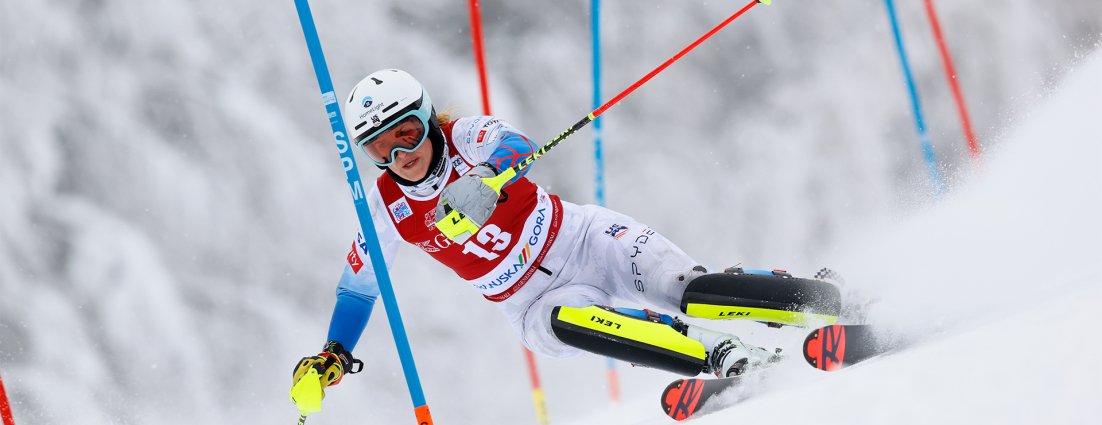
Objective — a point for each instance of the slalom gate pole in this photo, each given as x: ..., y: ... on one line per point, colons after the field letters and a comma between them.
x: 367, y: 225
x: 479, y: 55
x: 538, y: 400
x: 920, y: 124
x: 598, y: 154
x: 599, y: 162
x: 951, y: 75
x: 5, y: 408
x: 455, y: 223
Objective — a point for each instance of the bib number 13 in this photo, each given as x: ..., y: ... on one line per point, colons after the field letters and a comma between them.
x: 490, y: 236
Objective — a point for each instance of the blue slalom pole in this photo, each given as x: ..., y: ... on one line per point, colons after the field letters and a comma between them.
x: 927, y: 147
x: 599, y: 160
x: 598, y: 154
x: 367, y: 225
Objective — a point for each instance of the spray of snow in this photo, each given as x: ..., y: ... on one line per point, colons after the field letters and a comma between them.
x: 997, y: 284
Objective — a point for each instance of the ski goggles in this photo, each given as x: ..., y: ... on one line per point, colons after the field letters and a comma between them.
x: 406, y: 133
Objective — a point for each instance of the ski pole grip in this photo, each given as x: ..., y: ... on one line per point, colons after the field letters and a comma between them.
x: 455, y: 223
x: 498, y: 182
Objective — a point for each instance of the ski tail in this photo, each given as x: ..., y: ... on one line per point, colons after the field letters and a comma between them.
x: 835, y: 347
x: 682, y: 398
x: 692, y: 397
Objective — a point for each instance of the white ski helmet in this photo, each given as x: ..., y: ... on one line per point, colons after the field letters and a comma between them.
x: 383, y: 99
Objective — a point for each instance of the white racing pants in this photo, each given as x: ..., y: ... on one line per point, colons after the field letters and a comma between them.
x: 600, y: 255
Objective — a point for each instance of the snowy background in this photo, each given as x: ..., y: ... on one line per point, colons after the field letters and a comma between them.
x: 173, y: 217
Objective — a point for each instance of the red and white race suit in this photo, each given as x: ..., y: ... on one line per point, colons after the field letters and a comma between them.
x: 535, y: 251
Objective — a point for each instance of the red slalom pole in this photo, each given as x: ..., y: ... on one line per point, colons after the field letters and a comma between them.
x: 479, y: 56
x: 538, y: 400
x: 951, y: 75
x: 5, y: 408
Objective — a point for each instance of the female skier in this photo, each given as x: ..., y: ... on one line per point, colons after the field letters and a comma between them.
x: 551, y: 266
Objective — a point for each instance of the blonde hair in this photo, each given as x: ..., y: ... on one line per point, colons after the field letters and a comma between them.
x: 447, y: 115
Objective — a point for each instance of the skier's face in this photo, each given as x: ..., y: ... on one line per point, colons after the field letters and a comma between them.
x: 412, y: 165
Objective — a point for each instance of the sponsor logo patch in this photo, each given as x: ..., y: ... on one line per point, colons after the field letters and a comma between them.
x: 617, y: 231
x: 442, y: 241
x: 460, y: 165
x: 640, y: 243
x: 427, y: 246
x: 430, y: 218
x: 522, y: 258
x: 400, y: 210
x: 353, y: 258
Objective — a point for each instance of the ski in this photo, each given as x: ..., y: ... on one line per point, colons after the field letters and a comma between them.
x: 836, y: 347
x: 683, y: 398
x: 692, y: 397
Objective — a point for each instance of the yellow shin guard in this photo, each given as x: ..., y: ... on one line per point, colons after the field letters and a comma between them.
x: 603, y: 331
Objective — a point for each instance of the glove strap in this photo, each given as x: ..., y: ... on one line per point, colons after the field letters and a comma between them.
x: 334, y: 352
x: 488, y: 165
x: 352, y: 369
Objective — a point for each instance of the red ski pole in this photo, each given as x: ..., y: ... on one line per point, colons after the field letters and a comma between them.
x: 454, y: 223
x: 601, y: 110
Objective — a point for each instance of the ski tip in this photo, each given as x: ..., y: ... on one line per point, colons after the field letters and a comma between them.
x: 681, y: 399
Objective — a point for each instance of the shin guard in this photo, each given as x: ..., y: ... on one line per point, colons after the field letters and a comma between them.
x: 603, y: 330
x: 763, y: 296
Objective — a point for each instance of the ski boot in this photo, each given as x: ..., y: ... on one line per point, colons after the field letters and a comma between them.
x: 728, y: 355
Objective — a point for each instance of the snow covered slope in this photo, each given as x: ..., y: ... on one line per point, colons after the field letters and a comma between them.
x: 1000, y: 282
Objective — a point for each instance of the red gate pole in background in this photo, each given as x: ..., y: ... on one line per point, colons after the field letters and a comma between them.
x: 951, y: 75
x: 480, y: 60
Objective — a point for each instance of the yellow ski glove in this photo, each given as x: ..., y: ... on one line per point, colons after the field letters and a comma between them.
x: 312, y: 374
